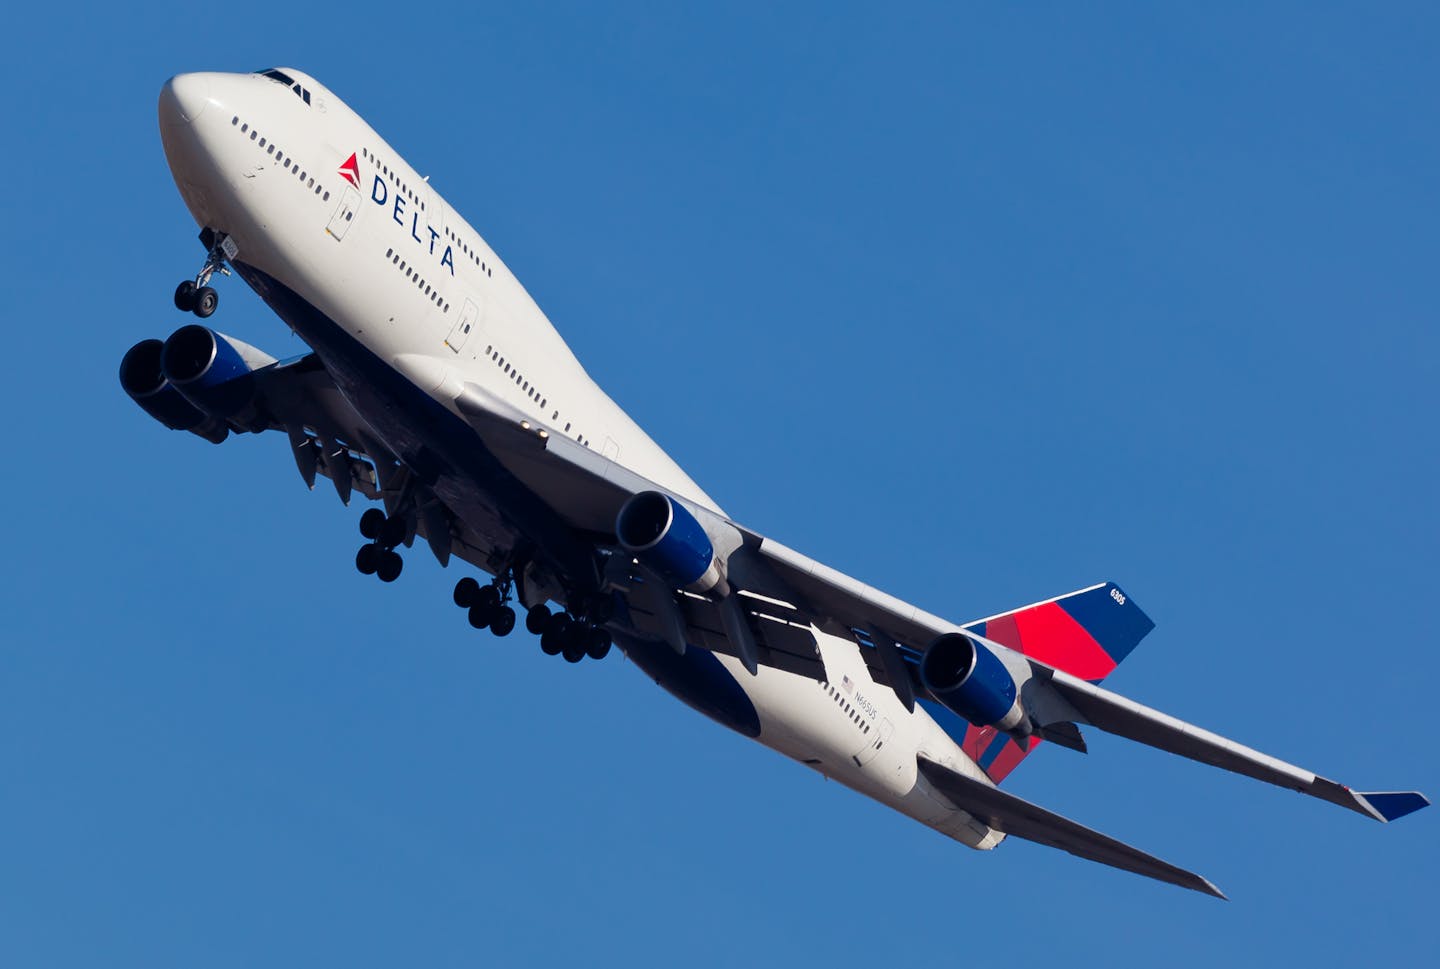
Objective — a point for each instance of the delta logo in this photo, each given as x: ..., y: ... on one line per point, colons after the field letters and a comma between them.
x: 350, y: 171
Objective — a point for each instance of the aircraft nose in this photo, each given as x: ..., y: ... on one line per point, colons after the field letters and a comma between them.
x: 183, y: 97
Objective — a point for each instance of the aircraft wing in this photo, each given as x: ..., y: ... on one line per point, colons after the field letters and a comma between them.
x: 1021, y: 819
x: 783, y: 588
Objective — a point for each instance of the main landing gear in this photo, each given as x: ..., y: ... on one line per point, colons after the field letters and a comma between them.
x: 569, y: 636
x: 487, y: 604
x: 197, y: 296
x: 560, y: 633
x: 379, y: 557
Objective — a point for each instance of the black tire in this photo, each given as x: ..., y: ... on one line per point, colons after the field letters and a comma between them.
x: 392, y: 532
x: 573, y: 652
x: 550, y: 643
x: 489, y: 595
x: 553, y: 639
x: 480, y: 615
x: 390, y: 565
x: 370, y: 523
x: 465, y: 591
x: 503, y: 621
x: 537, y: 620
x: 597, y: 644
x: 185, y: 296
x: 206, y: 299
x: 367, y: 560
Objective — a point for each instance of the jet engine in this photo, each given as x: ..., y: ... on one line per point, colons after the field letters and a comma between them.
x: 968, y: 678
x: 666, y: 536
x: 142, y: 378
x: 211, y: 370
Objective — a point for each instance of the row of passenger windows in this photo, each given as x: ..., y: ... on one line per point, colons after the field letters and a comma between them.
x: 411, y: 273
x: 394, y: 178
x: 850, y: 711
x: 511, y: 371
x: 285, y: 162
x: 471, y: 254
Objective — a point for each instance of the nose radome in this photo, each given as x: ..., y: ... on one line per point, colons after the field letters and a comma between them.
x: 183, y: 97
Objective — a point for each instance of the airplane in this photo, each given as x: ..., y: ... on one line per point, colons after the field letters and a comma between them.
x: 435, y: 387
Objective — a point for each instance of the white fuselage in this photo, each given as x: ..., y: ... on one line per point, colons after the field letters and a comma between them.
x: 381, y: 257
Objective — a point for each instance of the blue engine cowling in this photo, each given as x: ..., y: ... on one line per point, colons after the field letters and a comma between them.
x: 663, y: 534
x: 142, y: 378
x: 971, y: 680
x: 210, y: 370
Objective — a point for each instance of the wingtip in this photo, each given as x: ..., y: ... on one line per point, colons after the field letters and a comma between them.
x: 1392, y: 805
x: 1214, y: 892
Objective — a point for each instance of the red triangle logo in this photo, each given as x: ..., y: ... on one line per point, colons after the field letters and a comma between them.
x: 350, y: 171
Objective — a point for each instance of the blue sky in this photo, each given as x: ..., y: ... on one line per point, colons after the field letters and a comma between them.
x: 977, y: 304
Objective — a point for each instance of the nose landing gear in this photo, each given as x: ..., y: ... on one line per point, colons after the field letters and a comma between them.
x: 197, y: 296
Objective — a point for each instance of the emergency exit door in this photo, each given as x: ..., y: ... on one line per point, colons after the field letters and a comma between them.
x: 344, y: 214
x: 460, y: 332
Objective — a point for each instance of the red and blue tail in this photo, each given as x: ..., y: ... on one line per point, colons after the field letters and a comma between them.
x: 1085, y: 633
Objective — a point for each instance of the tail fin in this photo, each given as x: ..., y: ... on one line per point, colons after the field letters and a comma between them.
x: 1086, y: 634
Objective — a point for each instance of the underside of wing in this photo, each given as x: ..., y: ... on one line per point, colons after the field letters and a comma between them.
x: 1030, y: 822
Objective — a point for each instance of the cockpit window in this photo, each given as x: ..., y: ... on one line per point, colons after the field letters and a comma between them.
x: 288, y: 81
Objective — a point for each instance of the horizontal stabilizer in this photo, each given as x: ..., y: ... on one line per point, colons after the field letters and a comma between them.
x: 1015, y: 816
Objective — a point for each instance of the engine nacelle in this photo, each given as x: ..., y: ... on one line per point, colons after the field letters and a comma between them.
x: 142, y: 378
x: 969, y: 679
x: 667, y: 537
x: 212, y: 371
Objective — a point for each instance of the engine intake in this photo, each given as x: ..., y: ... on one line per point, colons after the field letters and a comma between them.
x: 667, y: 537
x: 143, y: 380
x: 969, y: 679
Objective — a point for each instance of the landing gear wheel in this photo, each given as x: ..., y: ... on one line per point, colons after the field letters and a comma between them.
x: 597, y: 645
x: 370, y: 523
x: 481, y: 615
x: 206, y: 299
x: 390, y: 565
x: 537, y: 619
x: 392, y: 532
x: 367, y: 560
x: 465, y: 592
x: 185, y: 296
x: 574, y: 639
x: 502, y: 621
x: 553, y: 639
x: 488, y: 595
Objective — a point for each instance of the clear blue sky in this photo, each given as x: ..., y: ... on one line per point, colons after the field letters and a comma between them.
x: 980, y: 305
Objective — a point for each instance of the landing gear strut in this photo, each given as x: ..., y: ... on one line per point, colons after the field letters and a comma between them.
x: 197, y: 296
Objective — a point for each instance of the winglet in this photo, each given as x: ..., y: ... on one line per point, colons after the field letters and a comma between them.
x: 1390, y: 805
x: 1380, y: 805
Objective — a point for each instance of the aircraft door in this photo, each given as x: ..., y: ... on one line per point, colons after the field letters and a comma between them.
x: 882, y: 736
x: 344, y: 214
x: 469, y: 319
